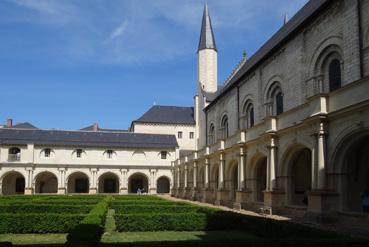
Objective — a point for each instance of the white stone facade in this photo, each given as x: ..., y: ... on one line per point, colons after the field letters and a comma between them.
x: 297, y: 154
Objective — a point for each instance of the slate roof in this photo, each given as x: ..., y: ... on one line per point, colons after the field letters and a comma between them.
x: 24, y: 125
x: 207, y: 40
x: 85, y: 139
x: 302, y: 17
x: 91, y: 128
x: 168, y: 115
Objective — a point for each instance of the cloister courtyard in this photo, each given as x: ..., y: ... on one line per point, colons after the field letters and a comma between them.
x: 144, y: 220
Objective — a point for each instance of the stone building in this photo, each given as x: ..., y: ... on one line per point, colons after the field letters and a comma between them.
x: 95, y: 160
x: 289, y: 130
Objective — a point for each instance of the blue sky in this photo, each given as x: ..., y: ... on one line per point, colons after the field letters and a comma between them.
x: 66, y: 64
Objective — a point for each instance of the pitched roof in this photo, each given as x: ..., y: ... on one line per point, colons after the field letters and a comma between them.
x: 91, y: 128
x: 24, y: 125
x: 168, y: 115
x: 85, y: 139
x: 207, y: 40
x: 303, y: 16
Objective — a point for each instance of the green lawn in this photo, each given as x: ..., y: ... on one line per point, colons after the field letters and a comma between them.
x: 158, y: 222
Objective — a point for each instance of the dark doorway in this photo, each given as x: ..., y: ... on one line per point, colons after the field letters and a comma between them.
x: 110, y: 185
x: 19, y: 185
x: 163, y: 185
x: 81, y: 185
x: 138, y: 181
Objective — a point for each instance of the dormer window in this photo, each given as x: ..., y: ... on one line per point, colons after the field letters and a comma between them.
x: 109, y: 154
x: 163, y: 155
x: 47, y: 152
x: 180, y: 134
x: 14, y: 154
x: 79, y: 153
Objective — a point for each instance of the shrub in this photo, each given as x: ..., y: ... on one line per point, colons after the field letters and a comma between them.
x: 42, y: 208
x: 143, y: 202
x: 89, y: 231
x: 138, y: 198
x: 38, y: 223
x: 132, y: 209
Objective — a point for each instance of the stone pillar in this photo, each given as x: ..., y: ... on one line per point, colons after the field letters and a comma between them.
x: 206, y: 172
x: 194, y: 182
x: 243, y: 195
x: 185, y: 177
x: 321, y: 201
x: 29, y: 190
x: 61, y: 179
x: 152, y: 188
x: 124, y: 185
x: 221, y: 171
x: 93, y: 183
x: 271, y: 165
x: 178, y: 178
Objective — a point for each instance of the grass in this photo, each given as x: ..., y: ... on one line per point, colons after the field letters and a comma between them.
x: 170, y: 236
x: 26, y: 239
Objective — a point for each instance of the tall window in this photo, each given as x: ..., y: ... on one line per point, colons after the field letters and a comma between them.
x: 279, y: 103
x: 334, y: 72
x: 192, y: 135
x: 224, y: 127
x: 248, y: 115
x: 180, y: 134
x: 14, y: 154
x: 211, y: 134
x: 275, y: 100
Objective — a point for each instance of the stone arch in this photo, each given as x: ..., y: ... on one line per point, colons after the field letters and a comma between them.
x: 137, y: 181
x: 224, y: 126
x: 78, y: 182
x: 258, y: 176
x: 247, y: 113
x: 108, y: 182
x: 274, y: 97
x: 163, y: 185
x: 296, y: 170
x: 352, y: 161
x: 201, y: 177
x: 332, y: 41
x: 46, y: 182
x: 211, y: 134
x: 12, y: 182
x: 232, y: 178
x: 214, y: 176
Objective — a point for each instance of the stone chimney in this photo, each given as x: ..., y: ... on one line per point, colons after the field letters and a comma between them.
x: 9, y: 123
x: 95, y: 127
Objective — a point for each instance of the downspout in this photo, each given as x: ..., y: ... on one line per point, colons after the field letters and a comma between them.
x: 361, y: 55
x: 206, y: 128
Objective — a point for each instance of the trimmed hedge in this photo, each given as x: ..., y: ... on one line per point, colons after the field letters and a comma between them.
x: 38, y: 223
x: 138, y: 198
x: 42, y: 208
x: 89, y: 231
x: 133, y: 209
x: 147, y: 202
x: 210, y: 221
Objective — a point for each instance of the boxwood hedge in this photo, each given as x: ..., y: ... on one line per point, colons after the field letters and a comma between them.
x: 39, y: 223
x: 133, y: 209
x: 216, y: 220
x: 42, y: 208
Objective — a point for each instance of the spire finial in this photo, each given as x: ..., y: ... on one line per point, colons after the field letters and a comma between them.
x: 207, y: 40
x: 244, y: 54
x: 285, y: 19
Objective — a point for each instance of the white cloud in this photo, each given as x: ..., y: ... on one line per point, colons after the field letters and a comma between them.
x: 146, y: 31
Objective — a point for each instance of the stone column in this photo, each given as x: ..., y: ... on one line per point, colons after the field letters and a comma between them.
x: 93, y: 184
x: 152, y: 182
x: 29, y: 190
x: 221, y: 171
x: 242, y: 169
x: 178, y: 178
x: 194, y: 185
x: 321, y: 152
x: 61, y: 179
x: 271, y: 165
x: 206, y: 172
x: 185, y: 177
x: 124, y: 186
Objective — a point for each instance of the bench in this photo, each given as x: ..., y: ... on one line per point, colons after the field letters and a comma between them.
x: 266, y: 210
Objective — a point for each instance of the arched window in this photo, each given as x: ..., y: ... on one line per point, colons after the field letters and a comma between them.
x: 248, y: 118
x: 224, y: 131
x: 275, y: 100
x: 211, y: 134
x: 334, y: 72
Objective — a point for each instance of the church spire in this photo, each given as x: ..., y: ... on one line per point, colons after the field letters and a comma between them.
x: 207, y: 40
